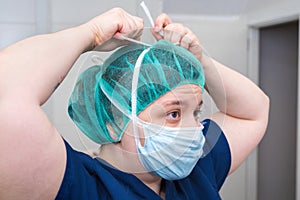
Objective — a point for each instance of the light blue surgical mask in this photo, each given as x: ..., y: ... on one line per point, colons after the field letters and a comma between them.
x: 170, y: 153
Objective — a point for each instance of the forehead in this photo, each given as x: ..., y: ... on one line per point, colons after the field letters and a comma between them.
x: 184, y: 93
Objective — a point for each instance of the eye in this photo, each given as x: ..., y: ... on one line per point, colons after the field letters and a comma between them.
x: 175, y: 115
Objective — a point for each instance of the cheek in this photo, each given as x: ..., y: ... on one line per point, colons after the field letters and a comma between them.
x: 128, y: 139
x: 128, y: 143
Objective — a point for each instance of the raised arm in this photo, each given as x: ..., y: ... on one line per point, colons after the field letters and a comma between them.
x: 243, y: 107
x: 32, y: 152
x: 36, y: 65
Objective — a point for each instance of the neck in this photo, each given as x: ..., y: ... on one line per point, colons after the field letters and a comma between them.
x: 128, y: 162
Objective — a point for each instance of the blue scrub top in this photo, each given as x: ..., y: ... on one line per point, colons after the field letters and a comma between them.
x: 88, y: 178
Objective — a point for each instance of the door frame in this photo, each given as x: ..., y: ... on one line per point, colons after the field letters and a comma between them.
x: 253, y: 74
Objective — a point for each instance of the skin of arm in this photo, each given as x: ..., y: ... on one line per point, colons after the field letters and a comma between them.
x: 29, y: 72
x: 243, y: 107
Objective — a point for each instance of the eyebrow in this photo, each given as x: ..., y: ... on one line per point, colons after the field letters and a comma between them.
x: 171, y: 103
x: 176, y: 102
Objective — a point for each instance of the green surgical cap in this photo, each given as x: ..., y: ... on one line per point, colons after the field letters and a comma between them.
x: 101, y: 99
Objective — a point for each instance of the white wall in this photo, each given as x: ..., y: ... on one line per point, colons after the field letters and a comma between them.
x: 272, y: 12
x: 15, y: 27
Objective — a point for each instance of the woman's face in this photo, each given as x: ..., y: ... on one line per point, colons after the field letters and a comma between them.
x: 179, y: 108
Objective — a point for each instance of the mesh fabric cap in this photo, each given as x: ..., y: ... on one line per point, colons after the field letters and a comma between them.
x: 101, y: 98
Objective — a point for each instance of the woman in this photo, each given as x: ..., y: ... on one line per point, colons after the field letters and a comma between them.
x: 47, y: 167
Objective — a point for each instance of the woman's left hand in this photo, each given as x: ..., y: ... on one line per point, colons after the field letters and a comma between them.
x: 178, y: 34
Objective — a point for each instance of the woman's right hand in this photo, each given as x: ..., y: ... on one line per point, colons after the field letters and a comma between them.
x: 108, y: 28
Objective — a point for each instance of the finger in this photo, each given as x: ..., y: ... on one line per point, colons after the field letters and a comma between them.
x: 175, y: 32
x: 139, y: 22
x: 185, y: 42
x: 192, y: 44
x: 188, y: 39
x: 131, y: 24
x: 135, y: 27
x: 161, y: 22
x: 156, y: 35
x: 135, y: 33
x: 116, y: 20
x: 119, y: 36
x: 173, y: 37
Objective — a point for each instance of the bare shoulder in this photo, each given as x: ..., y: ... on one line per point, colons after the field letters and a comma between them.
x: 32, y: 152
